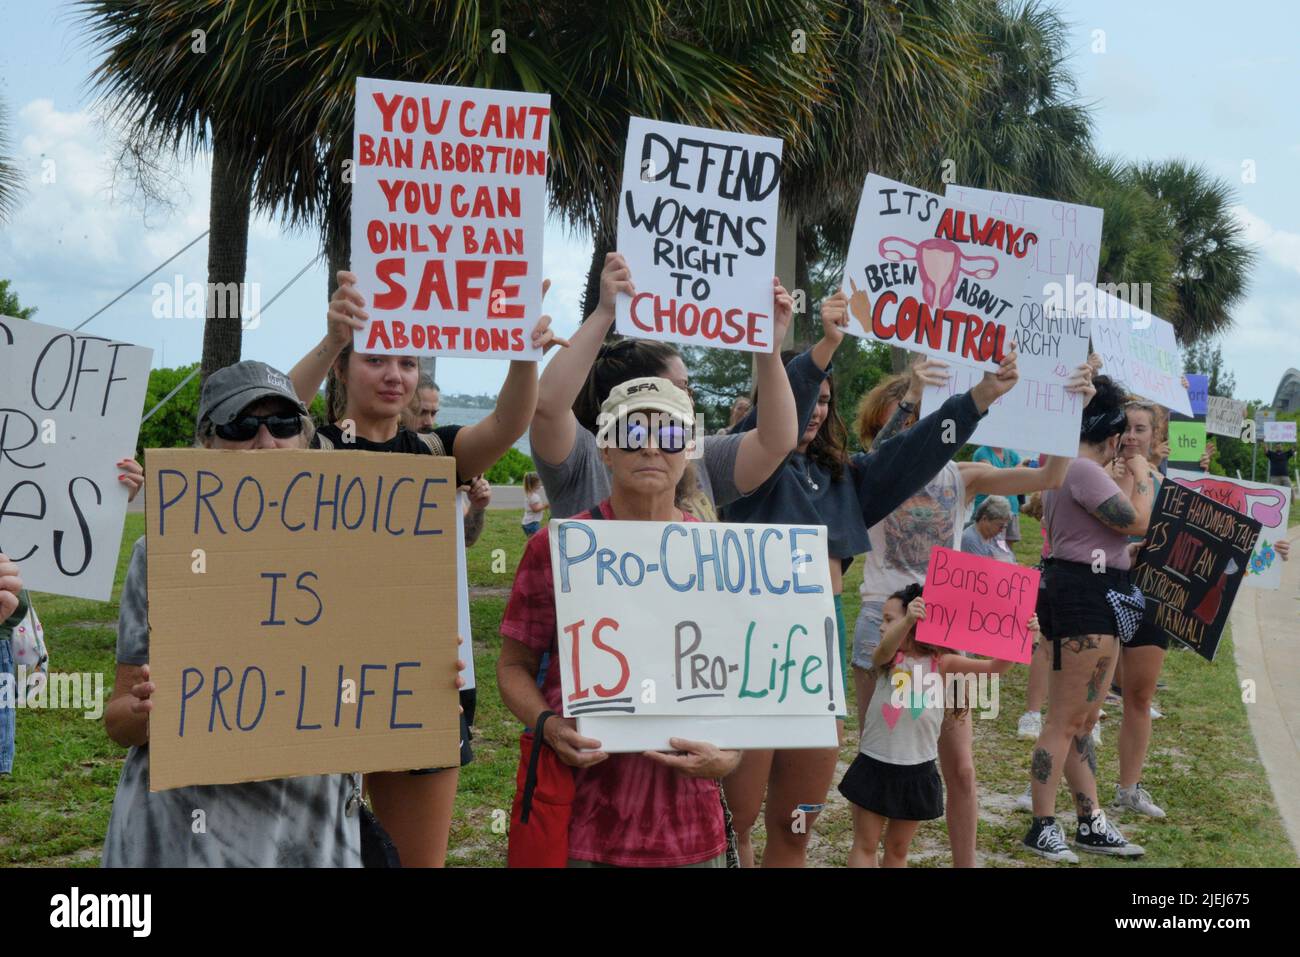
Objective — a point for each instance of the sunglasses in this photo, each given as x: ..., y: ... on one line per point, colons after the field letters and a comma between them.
x: 246, y: 427
x: 633, y: 436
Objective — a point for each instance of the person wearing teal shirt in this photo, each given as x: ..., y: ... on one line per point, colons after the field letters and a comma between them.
x: 1002, y: 459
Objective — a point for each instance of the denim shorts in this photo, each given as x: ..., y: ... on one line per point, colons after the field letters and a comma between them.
x: 8, y: 695
x: 866, y: 632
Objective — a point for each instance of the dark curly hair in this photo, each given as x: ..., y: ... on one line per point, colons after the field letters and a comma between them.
x: 1104, y: 415
x: 617, y: 362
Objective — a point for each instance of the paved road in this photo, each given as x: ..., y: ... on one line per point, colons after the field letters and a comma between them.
x: 503, y: 496
x: 1266, y: 632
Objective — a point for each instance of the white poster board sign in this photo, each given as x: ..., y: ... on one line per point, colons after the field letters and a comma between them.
x: 1051, y: 333
x: 662, y: 624
x: 1140, y: 352
x: 1224, y: 416
x: 697, y: 218
x: 1267, y: 504
x: 1279, y: 431
x: 70, y: 406
x: 448, y: 212
x: 463, y: 627
x: 927, y: 274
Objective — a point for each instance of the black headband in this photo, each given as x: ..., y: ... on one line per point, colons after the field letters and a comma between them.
x: 1098, y: 428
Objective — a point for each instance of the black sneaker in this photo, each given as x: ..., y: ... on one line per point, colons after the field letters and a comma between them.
x: 1048, y: 840
x: 1099, y: 836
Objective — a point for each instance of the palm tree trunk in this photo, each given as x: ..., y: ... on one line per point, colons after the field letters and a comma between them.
x: 228, y: 211
x: 604, y: 241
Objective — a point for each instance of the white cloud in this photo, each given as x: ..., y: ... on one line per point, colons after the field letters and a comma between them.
x: 1278, y: 245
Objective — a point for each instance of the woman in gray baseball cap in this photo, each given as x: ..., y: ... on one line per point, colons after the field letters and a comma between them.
x: 307, y: 821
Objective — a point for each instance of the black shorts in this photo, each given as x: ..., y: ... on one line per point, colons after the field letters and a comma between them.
x: 466, y: 753
x: 903, y: 792
x: 1149, y: 635
x: 1076, y: 599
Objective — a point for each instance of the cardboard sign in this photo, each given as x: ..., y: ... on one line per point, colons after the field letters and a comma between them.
x: 929, y: 275
x: 1140, y: 352
x: 1266, y: 504
x: 302, y: 614
x: 978, y: 605
x: 1050, y: 333
x: 1191, y: 564
x: 1186, y: 442
x: 1198, y: 393
x: 1279, y: 431
x: 448, y: 211
x: 1224, y: 416
x: 697, y: 223
x: 70, y: 407
x: 682, y: 621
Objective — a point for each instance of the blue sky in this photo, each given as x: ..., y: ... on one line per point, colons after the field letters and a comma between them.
x: 1196, y: 80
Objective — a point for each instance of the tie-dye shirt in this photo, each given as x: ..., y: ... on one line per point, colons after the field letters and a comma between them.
x: 287, y: 822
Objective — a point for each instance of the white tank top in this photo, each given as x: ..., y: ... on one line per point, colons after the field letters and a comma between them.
x: 908, y: 734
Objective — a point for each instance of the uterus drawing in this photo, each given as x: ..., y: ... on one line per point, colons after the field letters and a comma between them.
x: 939, y: 262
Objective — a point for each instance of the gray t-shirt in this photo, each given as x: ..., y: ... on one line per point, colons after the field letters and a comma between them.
x: 973, y: 543
x: 288, y: 822
x: 581, y: 481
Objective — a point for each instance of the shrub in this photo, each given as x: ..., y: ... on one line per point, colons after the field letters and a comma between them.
x: 510, y: 469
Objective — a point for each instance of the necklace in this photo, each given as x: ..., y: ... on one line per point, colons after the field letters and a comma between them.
x: 805, y: 472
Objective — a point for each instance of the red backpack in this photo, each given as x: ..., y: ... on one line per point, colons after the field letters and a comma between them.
x: 539, y: 818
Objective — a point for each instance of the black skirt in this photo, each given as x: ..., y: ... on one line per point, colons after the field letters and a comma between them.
x: 904, y: 792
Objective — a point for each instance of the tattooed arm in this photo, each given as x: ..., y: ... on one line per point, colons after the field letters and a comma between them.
x: 1118, y: 513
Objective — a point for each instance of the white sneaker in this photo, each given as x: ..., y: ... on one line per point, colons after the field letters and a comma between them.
x: 1031, y: 725
x: 1155, y: 712
x: 1026, y: 801
x: 1096, y: 734
x: 1137, y: 799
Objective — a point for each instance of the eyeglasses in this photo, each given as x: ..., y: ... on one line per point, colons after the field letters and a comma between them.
x: 246, y: 427
x: 633, y: 436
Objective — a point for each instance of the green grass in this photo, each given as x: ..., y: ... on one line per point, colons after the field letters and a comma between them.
x: 1203, y: 765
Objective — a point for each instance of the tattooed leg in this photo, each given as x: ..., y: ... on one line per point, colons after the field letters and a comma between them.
x: 1080, y: 643
x: 1083, y: 805
x: 1042, y: 765
x: 1097, y: 681
x: 1087, y: 753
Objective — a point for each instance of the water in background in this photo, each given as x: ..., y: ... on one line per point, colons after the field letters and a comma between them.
x: 454, y: 415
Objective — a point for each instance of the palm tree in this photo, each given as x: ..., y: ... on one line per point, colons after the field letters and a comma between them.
x: 11, y: 183
x: 1024, y: 132
x: 1212, y: 262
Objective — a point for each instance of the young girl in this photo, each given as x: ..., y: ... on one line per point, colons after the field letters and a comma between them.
x: 534, y: 504
x: 893, y: 783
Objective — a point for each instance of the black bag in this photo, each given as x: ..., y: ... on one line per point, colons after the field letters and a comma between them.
x: 377, y: 848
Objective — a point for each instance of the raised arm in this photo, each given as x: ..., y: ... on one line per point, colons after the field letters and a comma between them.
x: 554, y: 425
x: 347, y: 313
x: 892, y: 636
x: 1129, y: 515
x: 982, y: 479
x: 775, y: 433
x: 924, y: 371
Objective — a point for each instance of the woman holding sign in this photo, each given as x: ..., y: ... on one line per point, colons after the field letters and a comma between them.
x: 306, y: 821
x: 820, y: 483
x: 371, y: 392
x: 576, y: 383
x: 1091, y: 607
x: 627, y: 810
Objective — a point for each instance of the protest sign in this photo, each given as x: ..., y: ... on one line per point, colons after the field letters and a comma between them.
x: 1051, y: 334
x: 697, y: 225
x: 927, y: 274
x: 1224, y: 416
x: 448, y: 211
x: 1198, y: 393
x: 716, y: 632
x: 1279, y: 431
x: 1266, y: 504
x: 1140, y: 352
x: 1186, y: 443
x: 1191, y: 564
x: 70, y: 407
x: 979, y: 605
x: 302, y: 614
x: 463, y: 629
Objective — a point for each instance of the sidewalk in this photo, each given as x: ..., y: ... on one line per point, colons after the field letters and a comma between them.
x: 1266, y: 633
